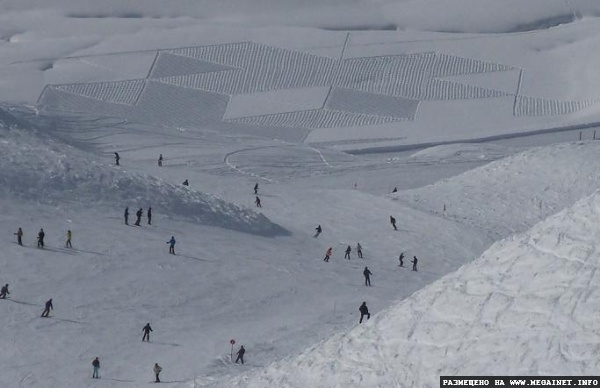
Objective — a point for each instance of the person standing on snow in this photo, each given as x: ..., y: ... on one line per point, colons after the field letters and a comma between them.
x: 171, y: 243
x: 47, y: 308
x: 367, y: 274
x: 146, y: 329
x: 319, y: 230
x: 157, y: 369
x: 328, y: 254
x: 401, y: 259
x: 240, y: 355
x: 348, y: 250
x: 117, y: 158
x: 149, y: 214
x: 257, y: 202
x: 359, y: 250
x: 4, y: 291
x: 40, y: 240
x: 364, y: 310
x: 256, y: 188
x: 393, y: 222
x: 414, y: 261
x: 139, y: 215
x: 160, y: 159
x: 19, y: 235
x: 96, y: 365
x: 69, y: 236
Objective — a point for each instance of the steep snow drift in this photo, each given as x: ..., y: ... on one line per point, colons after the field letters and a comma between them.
x: 526, y: 307
x: 51, y: 173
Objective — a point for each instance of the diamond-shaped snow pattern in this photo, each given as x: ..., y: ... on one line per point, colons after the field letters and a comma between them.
x: 349, y: 100
x: 167, y: 65
x: 532, y: 106
x: 120, y: 92
x: 445, y: 65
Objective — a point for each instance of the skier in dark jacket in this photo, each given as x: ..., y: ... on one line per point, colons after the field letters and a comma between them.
x: 146, y: 329
x: 47, y: 308
x: 367, y: 274
x: 139, y: 215
x: 40, y: 241
x: 364, y: 310
x: 257, y: 202
x: 4, y: 291
x: 240, y: 355
x: 401, y: 259
x: 186, y: 183
x: 319, y: 230
x: 126, y: 215
x: 393, y: 222
x: 171, y: 243
x: 256, y: 188
x: 348, y: 250
x: 96, y: 365
x: 160, y: 159
x: 359, y: 250
x: 19, y: 235
x: 117, y: 158
x: 414, y: 261
x: 395, y: 190
x: 149, y: 214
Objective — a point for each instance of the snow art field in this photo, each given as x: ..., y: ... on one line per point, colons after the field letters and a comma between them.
x: 474, y: 123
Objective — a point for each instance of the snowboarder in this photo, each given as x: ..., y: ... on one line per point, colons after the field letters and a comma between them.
x: 256, y: 188
x: 257, y: 202
x: 157, y: 369
x: 117, y: 158
x: 367, y: 274
x: 4, y: 291
x: 19, y: 235
x: 160, y: 159
x: 40, y: 240
x: 186, y: 183
x: 395, y: 190
x: 319, y: 230
x: 393, y: 222
x: 96, y: 365
x: 328, y: 254
x: 146, y: 329
x: 47, y: 308
x: 139, y: 215
x: 359, y: 250
x: 348, y: 250
x: 149, y: 214
x: 126, y: 215
x: 414, y: 261
x: 401, y: 259
x: 171, y: 243
x: 69, y: 236
x: 364, y: 310
x: 240, y: 355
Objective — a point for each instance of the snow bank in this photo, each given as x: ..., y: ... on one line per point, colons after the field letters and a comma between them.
x: 526, y: 307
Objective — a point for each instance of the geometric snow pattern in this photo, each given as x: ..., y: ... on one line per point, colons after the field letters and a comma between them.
x: 349, y: 100
x: 532, y: 106
x: 320, y: 118
x: 120, y: 92
x: 167, y: 65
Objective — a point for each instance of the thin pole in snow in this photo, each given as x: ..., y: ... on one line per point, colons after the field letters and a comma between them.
x: 594, y: 134
x: 579, y: 135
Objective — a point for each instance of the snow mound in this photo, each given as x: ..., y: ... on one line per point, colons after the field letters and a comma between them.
x: 526, y: 307
x: 40, y: 170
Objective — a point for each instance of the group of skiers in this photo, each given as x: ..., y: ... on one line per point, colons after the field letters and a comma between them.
x: 138, y: 215
x: 40, y: 238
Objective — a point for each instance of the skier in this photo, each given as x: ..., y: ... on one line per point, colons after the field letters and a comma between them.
x: 395, y: 190
x: 367, y: 274
x: 126, y: 215
x: 240, y: 355
x: 348, y: 250
x: 359, y: 250
x: 139, y: 215
x: 4, y: 291
x: 257, y: 202
x: 160, y: 159
x: 149, y: 214
x: 146, y: 329
x: 319, y: 230
x: 171, y: 243
x: 414, y: 261
x: 47, y: 308
x: 157, y: 369
x: 69, y: 236
x: 19, y: 235
x: 364, y: 310
x: 117, y: 158
x: 328, y: 254
x: 256, y: 188
x: 401, y: 259
x: 393, y: 222
x: 186, y: 183
x: 96, y: 365
x: 40, y: 241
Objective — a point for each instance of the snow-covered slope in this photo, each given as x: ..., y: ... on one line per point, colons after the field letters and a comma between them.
x: 526, y: 307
